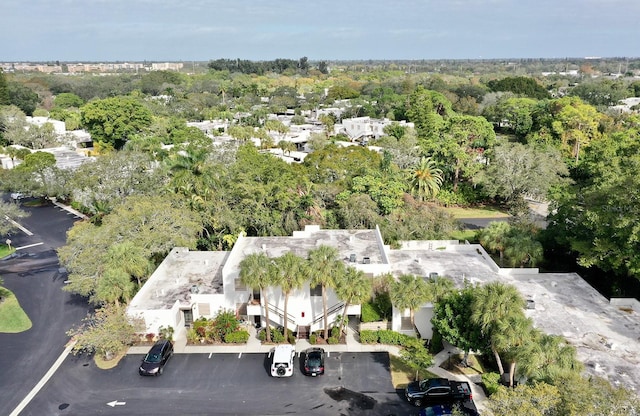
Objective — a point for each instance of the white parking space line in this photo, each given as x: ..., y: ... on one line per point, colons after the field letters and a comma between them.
x: 30, y: 245
x: 24, y: 230
x: 239, y: 355
x: 43, y: 380
x: 210, y: 354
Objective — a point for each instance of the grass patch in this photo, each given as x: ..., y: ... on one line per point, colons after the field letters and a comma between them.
x: 5, y: 250
x: 402, y: 374
x: 486, y: 212
x: 462, y: 235
x: 12, y: 318
x: 103, y: 364
x: 454, y: 365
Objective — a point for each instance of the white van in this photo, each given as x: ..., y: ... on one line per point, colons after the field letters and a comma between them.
x: 282, y: 361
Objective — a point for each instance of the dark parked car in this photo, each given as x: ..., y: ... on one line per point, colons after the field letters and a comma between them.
x: 153, y: 363
x: 437, y: 391
x: 314, y: 361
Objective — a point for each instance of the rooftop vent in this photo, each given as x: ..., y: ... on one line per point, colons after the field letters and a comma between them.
x: 531, y: 304
x: 366, y: 260
x: 352, y: 258
x: 194, y: 289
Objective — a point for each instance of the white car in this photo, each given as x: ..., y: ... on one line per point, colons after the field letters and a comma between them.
x: 16, y: 196
x: 282, y: 361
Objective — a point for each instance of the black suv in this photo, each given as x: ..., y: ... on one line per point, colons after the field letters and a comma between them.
x: 314, y: 361
x: 153, y: 363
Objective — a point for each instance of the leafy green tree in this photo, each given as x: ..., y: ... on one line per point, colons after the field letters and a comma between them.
x: 67, y: 100
x: 495, y: 303
x: 464, y: 140
x: 287, y: 273
x: 8, y: 214
x: 452, y: 320
x: 517, y: 171
x: 426, y: 179
x: 575, y: 123
x: 520, y: 85
x: 428, y: 110
x: 5, y: 99
x: 23, y: 97
x: 353, y: 287
x: 38, y: 164
x: 409, y: 292
x: 114, y: 120
x: 107, y: 332
x: 539, y: 399
x: 324, y: 269
x: 255, y: 272
x: 386, y: 192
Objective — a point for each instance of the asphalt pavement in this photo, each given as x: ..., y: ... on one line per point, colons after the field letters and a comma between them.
x: 33, y: 274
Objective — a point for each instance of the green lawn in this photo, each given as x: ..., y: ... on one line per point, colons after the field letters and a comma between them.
x: 401, y: 374
x: 487, y: 212
x: 12, y: 317
x: 5, y: 250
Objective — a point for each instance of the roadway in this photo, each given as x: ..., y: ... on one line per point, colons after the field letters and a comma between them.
x: 222, y: 384
x: 34, y: 276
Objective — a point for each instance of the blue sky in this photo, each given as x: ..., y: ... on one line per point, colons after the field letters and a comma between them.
x: 201, y: 30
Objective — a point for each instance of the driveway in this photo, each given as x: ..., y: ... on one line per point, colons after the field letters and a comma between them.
x: 222, y: 384
x: 33, y: 275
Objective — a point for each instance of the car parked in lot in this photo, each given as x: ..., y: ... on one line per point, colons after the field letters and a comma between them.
x: 153, y: 363
x: 437, y: 391
x: 314, y: 362
x: 282, y: 361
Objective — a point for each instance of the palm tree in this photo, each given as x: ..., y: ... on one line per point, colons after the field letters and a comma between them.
x: 409, y: 292
x: 255, y: 273
x: 426, y: 179
x: 130, y: 258
x: 324, y: 269
x: 113, y: 286
x: 548, y: 357
x: 286, y: 146
x: 493, y: 303
x: 494, y: 237
x: 439, y: 287
x: 353, y: 287
x: 289, y: 276
x: 523, y: 249
x: 511, y: 337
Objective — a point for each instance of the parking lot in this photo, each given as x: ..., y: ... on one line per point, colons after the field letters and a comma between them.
x: 222, y: 384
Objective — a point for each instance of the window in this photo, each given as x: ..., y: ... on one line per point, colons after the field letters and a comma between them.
x: 316, y: 290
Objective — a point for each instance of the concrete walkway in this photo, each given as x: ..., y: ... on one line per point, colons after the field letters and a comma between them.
x: 254, y: 345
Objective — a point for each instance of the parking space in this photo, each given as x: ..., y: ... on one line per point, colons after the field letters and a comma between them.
x: 222, y: 384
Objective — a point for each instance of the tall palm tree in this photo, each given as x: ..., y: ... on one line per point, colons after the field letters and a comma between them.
x: 289, y: 276
x: 439, y: 287
x: 114, y: 285
x: 324, y: 269
x: 523, y: 249
x: 493, y: 303
x: 494, y: 237
x: 549, y: 357
x: 353, y: 287
x: 512, y: 336
x: 426, y: 179
x: 255, y: 273
x: 410, y: 292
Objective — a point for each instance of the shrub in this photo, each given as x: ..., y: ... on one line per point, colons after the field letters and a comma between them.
x: 237, y: 337
x: 333, y: 340
x: 335, y: 332
x: 369, y: 313
x: 415, y: 354
x: 224, y: 323
x: 491, y: 382
x: 368, y: 336
x: 386, y: 336
x: 313, y: 339
x: 192, y: 336
x: 166, y: 332
x: 382, y: 303
x: 436, y: 343
x: 292, y: 339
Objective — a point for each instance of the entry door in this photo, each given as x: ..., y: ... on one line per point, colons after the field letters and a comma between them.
x: 188, y: 317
